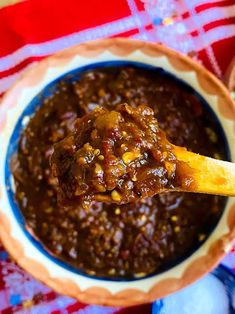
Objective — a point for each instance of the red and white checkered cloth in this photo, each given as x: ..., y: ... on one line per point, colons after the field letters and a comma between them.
x: 33, y: 29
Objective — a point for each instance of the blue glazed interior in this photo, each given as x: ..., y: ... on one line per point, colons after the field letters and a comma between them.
x: 38, y: 100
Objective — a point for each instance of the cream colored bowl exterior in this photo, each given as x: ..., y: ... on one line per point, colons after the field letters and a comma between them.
x: 95, y: 290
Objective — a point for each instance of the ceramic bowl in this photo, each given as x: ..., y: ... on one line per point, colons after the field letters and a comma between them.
x: 28, y: 252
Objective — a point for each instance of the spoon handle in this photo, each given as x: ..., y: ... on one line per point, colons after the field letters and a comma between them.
x: 206, y: 175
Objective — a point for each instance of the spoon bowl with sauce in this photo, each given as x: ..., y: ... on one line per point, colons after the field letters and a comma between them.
x: 122, y: 156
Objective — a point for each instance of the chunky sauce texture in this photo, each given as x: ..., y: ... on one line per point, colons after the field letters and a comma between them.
x: 116, y: 156
x: 110, y: 240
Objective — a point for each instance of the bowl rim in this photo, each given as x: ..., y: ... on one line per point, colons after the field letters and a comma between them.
x: 125, y: 296
x: 29, y: 110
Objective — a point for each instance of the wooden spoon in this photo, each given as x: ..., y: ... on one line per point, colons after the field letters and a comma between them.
x: 204, y: 175
x: 208, y: 175
x: 125, y: 156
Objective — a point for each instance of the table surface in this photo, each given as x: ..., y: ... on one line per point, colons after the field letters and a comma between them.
x: 203, y: 29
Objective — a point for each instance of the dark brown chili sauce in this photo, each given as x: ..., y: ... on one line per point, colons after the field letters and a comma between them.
x: 115, y: 156
x: 131, y: 240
